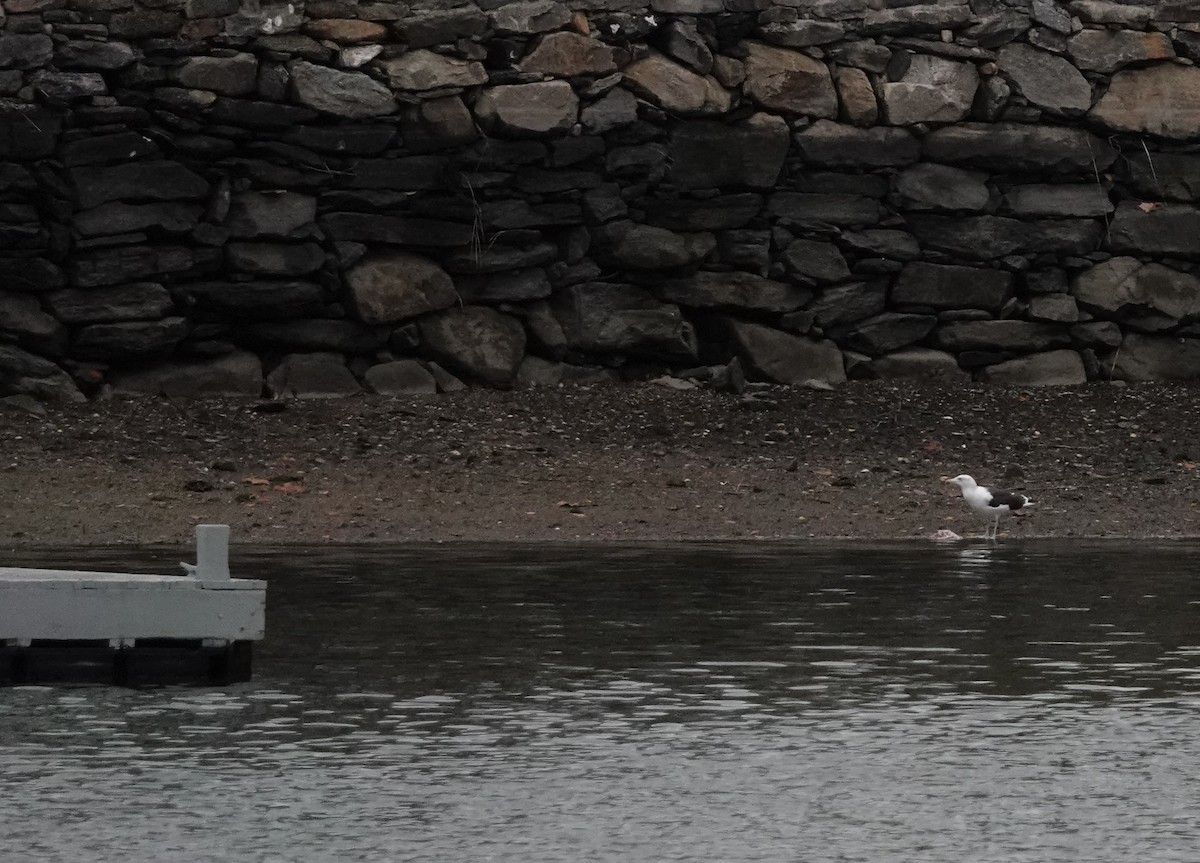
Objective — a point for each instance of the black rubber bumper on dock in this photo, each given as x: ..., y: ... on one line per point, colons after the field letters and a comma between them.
x: 149, y: 662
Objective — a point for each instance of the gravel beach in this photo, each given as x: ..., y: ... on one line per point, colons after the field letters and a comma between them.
x: 630, y: 462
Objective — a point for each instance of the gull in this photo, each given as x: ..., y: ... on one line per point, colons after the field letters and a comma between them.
x: 991, y: 503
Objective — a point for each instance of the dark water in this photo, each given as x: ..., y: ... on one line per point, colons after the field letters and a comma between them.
x: 725, y: 702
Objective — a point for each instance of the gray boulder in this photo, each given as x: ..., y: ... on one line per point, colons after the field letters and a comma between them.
x: 788, y: 81
x: 813, y: 209
x: 309, y: 376
x: 142, y: 23
x: 1058, y: 201
x: 564, y: 55
x: 1051, y: 15
x: 861, y: 53
x: 117, y: 217
x: 1155, y: 358
x: 812, y: 259
x: 23, y: 320
x: 603, y: 318
x: 613, y: 110
x: 674, y: 87
x: 119, y: 340
x: 236, y: 75
x: 1096, y: 334
x: 984, y: 238
x: 498, y: 256
x: 1016, y: 148
x: 528, y: 110
x: 734, y: 290
x: 1045, y: 79
x: 803, y: 33
x: 856, y: 95
x: 22, y: 404
x: 1164, y: 176
x: 996, y: 28
x: 1052, y: 280
x: 941, y: 286
x: 748, y: 250
x: 136, y: 263
x: 1160, y: 232
x: 932, y: 90
x: 710, y: 214
x: 27, y: 131
x: 64, y: 88
x: 136, y: 181
x: 405, y: 174
x: 1148, y: 296
x: 918, y: 363
x: 393, y: 286
x: 992, y: 99
x: 400, y: 378
x: 1052, y: 368
x: 30, y: 275
x: 1161, y: 100
x: 339, y: 93
x: 916, y: 18
x: 545, y: 333
x: 1019, y: 336
x: 684, y: 44
x: 886, y: 332
x: 836, y: 145
x: 87, y: 54
x: 843, y: 304
x: 525, y: 18
x: 257, y: 300
x: 23, y: 373
x: 270, y: 214
x: 784, y: 358
x: 1134, y: 16
x: 1055, y: 308
x: 708, y: 155
x: 233, y: 375
x: 25, y: 50
x: 420, y: 70
x: 941, y: 188
x: 107, y: 147
x: 437, y: 123
x: 275, y: 259
x: 446, y: 382
x: 882, y: 243
x: 132, y: 302
x: 629, y: 245
x: 537, y: 372
x: 1109, y: 50
x: 516, y: 287
x: 476, y: 341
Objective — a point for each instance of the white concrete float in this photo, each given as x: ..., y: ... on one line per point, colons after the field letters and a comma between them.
x: 60, y: 625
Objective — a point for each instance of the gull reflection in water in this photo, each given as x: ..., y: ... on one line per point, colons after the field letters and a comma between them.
x: 976, y: 559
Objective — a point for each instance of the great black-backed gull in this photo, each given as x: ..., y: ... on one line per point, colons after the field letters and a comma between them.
x: 991, y: 503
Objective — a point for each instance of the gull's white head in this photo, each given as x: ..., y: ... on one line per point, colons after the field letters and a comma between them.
x: 963, y: 481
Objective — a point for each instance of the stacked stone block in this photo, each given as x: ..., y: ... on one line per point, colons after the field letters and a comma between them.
x: 237, y: 196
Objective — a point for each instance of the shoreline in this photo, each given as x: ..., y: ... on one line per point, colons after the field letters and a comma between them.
x: 632, y: 462
x: 23, y: 550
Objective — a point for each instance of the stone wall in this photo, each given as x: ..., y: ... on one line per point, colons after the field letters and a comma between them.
x: 317, y: 198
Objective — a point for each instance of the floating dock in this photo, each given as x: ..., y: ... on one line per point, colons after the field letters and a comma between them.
x: 130, y: 629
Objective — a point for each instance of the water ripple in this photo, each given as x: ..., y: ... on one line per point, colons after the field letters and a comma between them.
x: 1020, y: 702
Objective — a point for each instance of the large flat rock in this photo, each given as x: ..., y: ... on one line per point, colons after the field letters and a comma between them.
x: 1162, y: 100
x: 1006, y: 147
